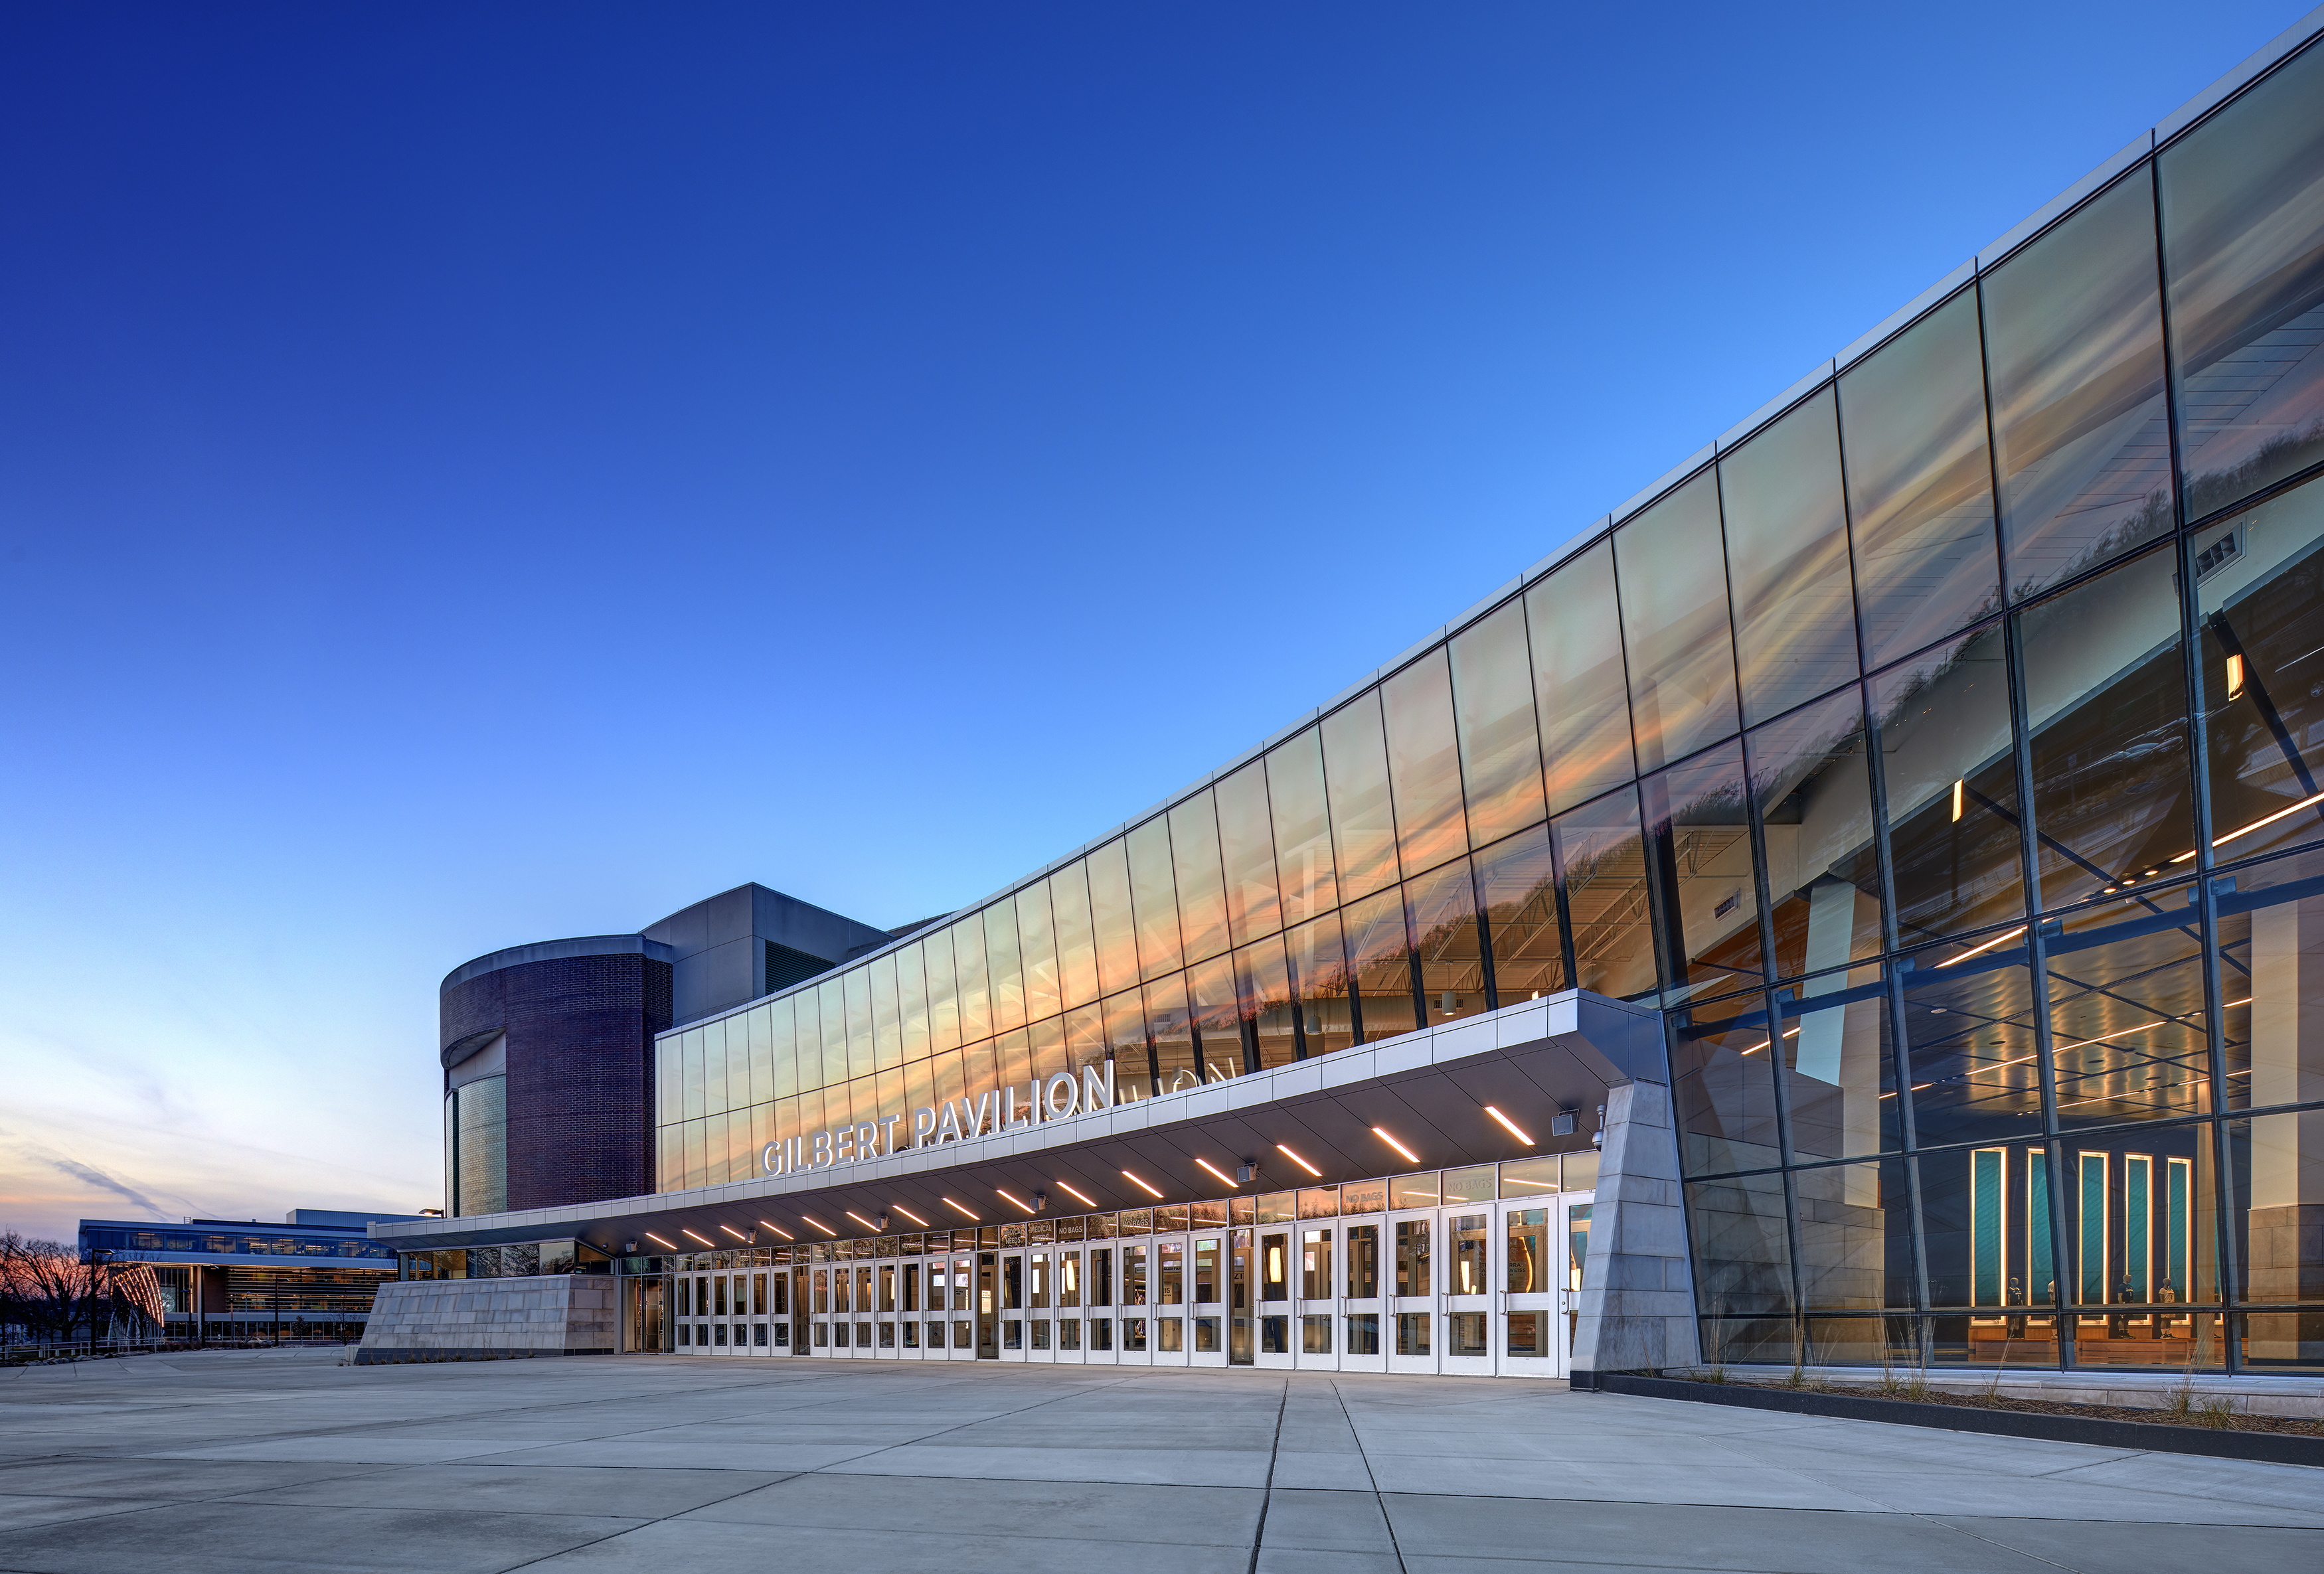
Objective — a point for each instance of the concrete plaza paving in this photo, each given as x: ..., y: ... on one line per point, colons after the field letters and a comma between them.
x: 263, y: 1460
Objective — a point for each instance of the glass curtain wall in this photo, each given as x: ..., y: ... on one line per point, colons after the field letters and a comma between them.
x: 1936, y: 757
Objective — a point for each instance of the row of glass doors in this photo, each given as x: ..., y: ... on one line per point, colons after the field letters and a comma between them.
x: 1485, y: 1288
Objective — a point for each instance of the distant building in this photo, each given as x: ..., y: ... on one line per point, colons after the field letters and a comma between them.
x: 312, y: 1276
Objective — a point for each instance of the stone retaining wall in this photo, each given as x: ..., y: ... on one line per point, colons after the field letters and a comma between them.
x: 484, y: 1319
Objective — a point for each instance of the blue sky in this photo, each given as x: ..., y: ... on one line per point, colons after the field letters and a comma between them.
x: 475, y: 473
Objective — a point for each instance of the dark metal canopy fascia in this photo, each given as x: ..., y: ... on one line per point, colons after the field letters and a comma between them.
x: 1427, y: 1089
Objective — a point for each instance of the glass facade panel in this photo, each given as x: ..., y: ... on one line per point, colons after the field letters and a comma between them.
x: 1441, y: 909
x: 1920, y: 483
x: 2259, y: 584
x: 1176, y: 1066
x: 1516, y: 885
x: 1698, y: 847
x: 1355, y: 769
x: 1004, y: 964
x: 2277, y: 1162
x: 1247, y: 852
x: 2073, y: 346
x: 1153, y: 891
x: 1380, y: 961
x: 2126, y: 1019
x: 1319, y: 985
x: 1855, y: 1238
x: 2243, y: 249
x: 1500, y: 747
x: 2106, y: 703
x: 1674, y: 600
x: 1742, y: 1246
x: 1302, y: 826
x: 1602, y: 871
x: 1263, y: 989
x: 1723, y: 1088
x: 1839, y: 1076
x: 1076, y: 933
x: 1037, y: 936
x: 1202, y: 882
x: 1116, y: 927
x: 1969, y: 1029
x: 1580, y: 693
x: 1424, y: 763
x: 1954, y: 848
x: 1811, y: 787
x: 1217, y: 1017
x: 1787, y: 558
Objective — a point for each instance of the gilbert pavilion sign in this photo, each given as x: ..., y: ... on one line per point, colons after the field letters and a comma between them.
x: 1060, y: 1097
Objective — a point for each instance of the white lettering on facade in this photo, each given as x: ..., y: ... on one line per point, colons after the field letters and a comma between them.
x: 1058, y: 1098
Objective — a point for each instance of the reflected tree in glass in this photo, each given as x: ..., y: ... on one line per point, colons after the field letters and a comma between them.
x: 1674, y: 601
x: 2243, y: 251
x: 2073, y: 343
x: 1500, y: 749
x: 1355, y: 771
x: 1920, y: 483
x: 1573, y: 629
x: 1787, y: 559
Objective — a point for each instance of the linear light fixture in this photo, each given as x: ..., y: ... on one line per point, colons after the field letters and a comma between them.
x: 1295, y: 1159
x: 1508, y: 1125
x: 1141, y: 1185
x: 1214, y: 1169
x: 779, y: 1230
x: 1068, y: 1186
x: 863, y: 1221
x: 1012, y: 1197
x: 956, y: 1207
x: 2306, y: 803
x: 818, y: 1223
x: 658, y: 1240
x: 1410, y: 1157
x: 737, y: 1234
x: 1958, y: 786
x: 704, y: 1239
x: 1989, y: 945
x: 907, y: 1213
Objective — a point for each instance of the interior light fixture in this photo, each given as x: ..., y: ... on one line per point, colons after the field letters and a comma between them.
x: 1214, y: 1169
x: 1508, y: 1125
x: 819, y: 1224
x: 704, y: 1239
x: 1410, y: 1157
x: 1073, y: 1191
x: 1989, y: 945
x: 737, y: 1234
x: 907, y: 1213
x: 1295, y: 1159
x: 1141, y: 1185
x: 863, y: 1221
x: 956, y: 1207
x: 1014, y: 1200
x: 2235, y: 676
x: 1960, y: 789
x: 779, y: 1230
x: 658, y: 1240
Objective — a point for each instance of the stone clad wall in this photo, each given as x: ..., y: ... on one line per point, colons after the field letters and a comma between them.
x: 484, y: 1319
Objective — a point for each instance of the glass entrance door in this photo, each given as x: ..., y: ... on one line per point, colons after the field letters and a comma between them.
x: 1572, y: 1216
x: 1531, y: 1332
x: 1241, y: 1335
x: 988, y: 1309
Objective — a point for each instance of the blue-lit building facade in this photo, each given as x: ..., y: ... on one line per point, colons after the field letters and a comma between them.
x: 1925, y: 773
x: 312, y: 1276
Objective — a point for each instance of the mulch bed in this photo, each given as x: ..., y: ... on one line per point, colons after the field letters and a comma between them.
x: 2216, y: 1421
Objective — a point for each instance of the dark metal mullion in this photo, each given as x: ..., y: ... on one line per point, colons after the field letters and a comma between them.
x: 2198, y: 775
x: 2030, y: 866
x: 1766, y: 918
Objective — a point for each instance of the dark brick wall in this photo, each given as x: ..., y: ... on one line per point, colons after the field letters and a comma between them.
x: 580, y: 1070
